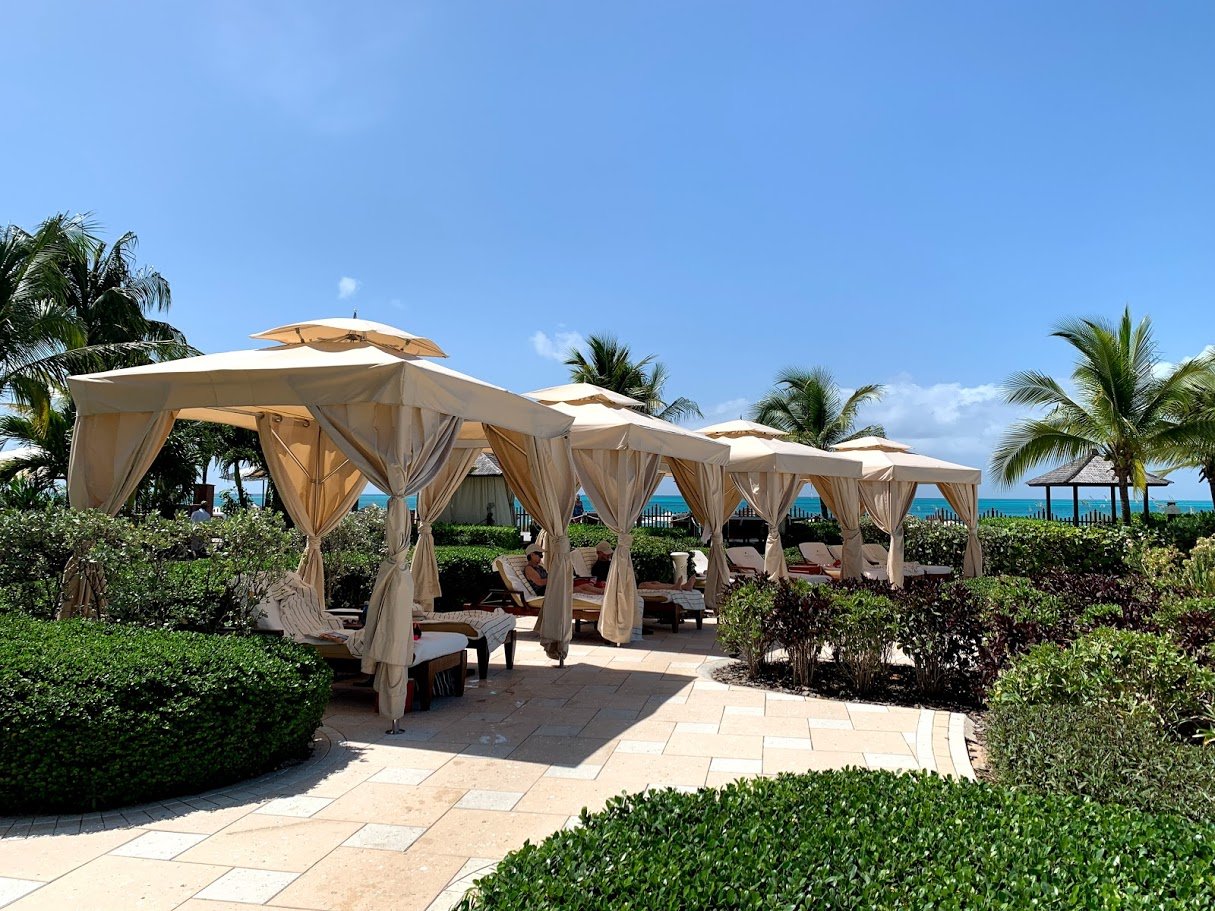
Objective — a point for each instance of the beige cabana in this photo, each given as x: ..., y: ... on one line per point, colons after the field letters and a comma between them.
x: 337, y: 404
x: 890, y: 474
x: 770, y: 473
x: 618, y: 456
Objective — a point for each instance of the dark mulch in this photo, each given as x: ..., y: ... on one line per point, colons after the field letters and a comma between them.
x: 895, y: 687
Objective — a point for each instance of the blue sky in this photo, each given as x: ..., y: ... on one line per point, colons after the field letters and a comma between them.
x: 910, y: 194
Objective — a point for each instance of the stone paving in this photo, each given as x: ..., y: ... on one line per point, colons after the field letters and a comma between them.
x: 410, y: 821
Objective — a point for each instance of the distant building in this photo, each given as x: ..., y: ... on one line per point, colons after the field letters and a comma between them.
x: 482, y: 495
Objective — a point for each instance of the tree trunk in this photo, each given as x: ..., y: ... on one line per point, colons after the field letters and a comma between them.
x: 1208, y: 474
x: 1124, y: 494
x: 241, y: 497
x: 822, y: 507
x: 1211, y: 482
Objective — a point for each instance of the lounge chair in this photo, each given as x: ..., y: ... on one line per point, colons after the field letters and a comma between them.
x: 291, y: 609
x: 527, y: 601
x: 665, y: 604
x: 745, y: 561
x: 815, y: 553
x: 876, y: 553
x: 871, y: 571
x: 484, y: 629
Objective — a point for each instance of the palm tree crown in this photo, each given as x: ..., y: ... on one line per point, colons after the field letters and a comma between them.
x: 1128, y: 406
x: 809, y: 407
x: 609, y: 363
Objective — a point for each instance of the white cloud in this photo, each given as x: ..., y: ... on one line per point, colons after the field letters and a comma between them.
x: 347, y: 286
x: 557, y: 346
x: 1164, y: 367
x: 731, y: 408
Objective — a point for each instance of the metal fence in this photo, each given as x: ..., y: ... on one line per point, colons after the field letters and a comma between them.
x: 655, y: 516
x: 1093, y: 517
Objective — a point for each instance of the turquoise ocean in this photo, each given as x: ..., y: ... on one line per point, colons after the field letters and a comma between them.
x: 922, y: 507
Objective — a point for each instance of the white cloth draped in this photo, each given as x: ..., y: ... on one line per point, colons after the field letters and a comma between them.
x: 703, y: 488
x: 887, y: 502
x: 399, y: 449
x: 843, y: 497
x: 318, y: 485
x: 619, y: 484
x: 541, y: 474
x: 964, y: 498
x: 432, y: 500
x: 771, y: 494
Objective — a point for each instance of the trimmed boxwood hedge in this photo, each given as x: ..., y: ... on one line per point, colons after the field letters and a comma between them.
x: 96, y: 715
x: 859, y: 840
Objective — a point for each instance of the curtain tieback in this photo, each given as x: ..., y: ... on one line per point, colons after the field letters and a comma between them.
x: 424, y: 528
x: 624, y: 540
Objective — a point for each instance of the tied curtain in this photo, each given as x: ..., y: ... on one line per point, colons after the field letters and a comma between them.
x: 317, y: 482
x: 703, y: 487
x: 842, y: 497
x: 964, y: 498
x: 432, y: 500
x: 771, y: 494
x: 887, y: 502
x: 110, y: 454
x: 400, y: 449
x: 619, y: 482
x: 541, y: 474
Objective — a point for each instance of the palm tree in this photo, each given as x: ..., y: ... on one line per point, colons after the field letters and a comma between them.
x: 609, y: 363
x: 1128, y: 406
x: 1199, y: 406
x: 46, y: 438
x: 809, y: 406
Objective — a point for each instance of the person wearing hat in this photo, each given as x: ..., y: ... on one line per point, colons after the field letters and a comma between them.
x: 603, y: 563
x: 537, y: 575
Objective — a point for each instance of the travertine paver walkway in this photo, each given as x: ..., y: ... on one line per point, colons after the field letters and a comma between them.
x: 409, y: 822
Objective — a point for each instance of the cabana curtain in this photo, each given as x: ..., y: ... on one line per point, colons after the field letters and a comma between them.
x: 887, y: 502
x: 771, y: 494
x: 318, y: 484
x: 842, y: 497
x: 400, y: 450
x: 541, y: 473
x: 432, y: 500
x: 619, y: 483
x: 964, y: 498
x: 703, y: 488
x: 111, y: 453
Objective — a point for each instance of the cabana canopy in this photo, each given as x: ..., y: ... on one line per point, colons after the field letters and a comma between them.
x: 770, y: 472
x: 890, y: 474
x: 332, y: 415
x: 619, y: 454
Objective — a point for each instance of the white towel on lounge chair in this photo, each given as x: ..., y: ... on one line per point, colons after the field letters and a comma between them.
x: 494, y: 626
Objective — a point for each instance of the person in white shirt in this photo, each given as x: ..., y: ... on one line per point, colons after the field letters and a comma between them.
x: 200, y: 514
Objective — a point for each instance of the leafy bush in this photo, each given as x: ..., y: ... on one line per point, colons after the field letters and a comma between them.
x: 96, y: 715
x: 1191, y: 623
x: 1086, y: 596
x: 858, y: 840
x: 349, y: 578
x: 1182, y: 532
x: 1101, y: 753
x: 359, y: 532
x: 466, y: 573
x: 742, y: 620
x: 802, y: 619
x: 1135, y: 673
x: 1015, y: 616
x: 651, y: 552
x: 153, y: 581
x: 505, y: 537
x: 866, y: 625
x: 1198, y: 569
x: 940, y: 630
x: 1030, y: 547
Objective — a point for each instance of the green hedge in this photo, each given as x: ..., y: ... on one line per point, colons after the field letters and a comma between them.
x: 506, y: 537
x: 859, y: 840
x: 651, y: 548
x: 466, y: 573
x: 96, y: 715
x: 1102, y: 753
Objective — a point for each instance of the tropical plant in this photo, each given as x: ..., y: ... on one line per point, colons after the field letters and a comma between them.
x: 1201, y: 405
x: 45, y: 439
x: 1129, y: 407
x: 809, y: 406
x: 609, y: 363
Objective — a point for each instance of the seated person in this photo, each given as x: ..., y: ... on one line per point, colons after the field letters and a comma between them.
x: 603, y: 562
x: 537, y: 575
